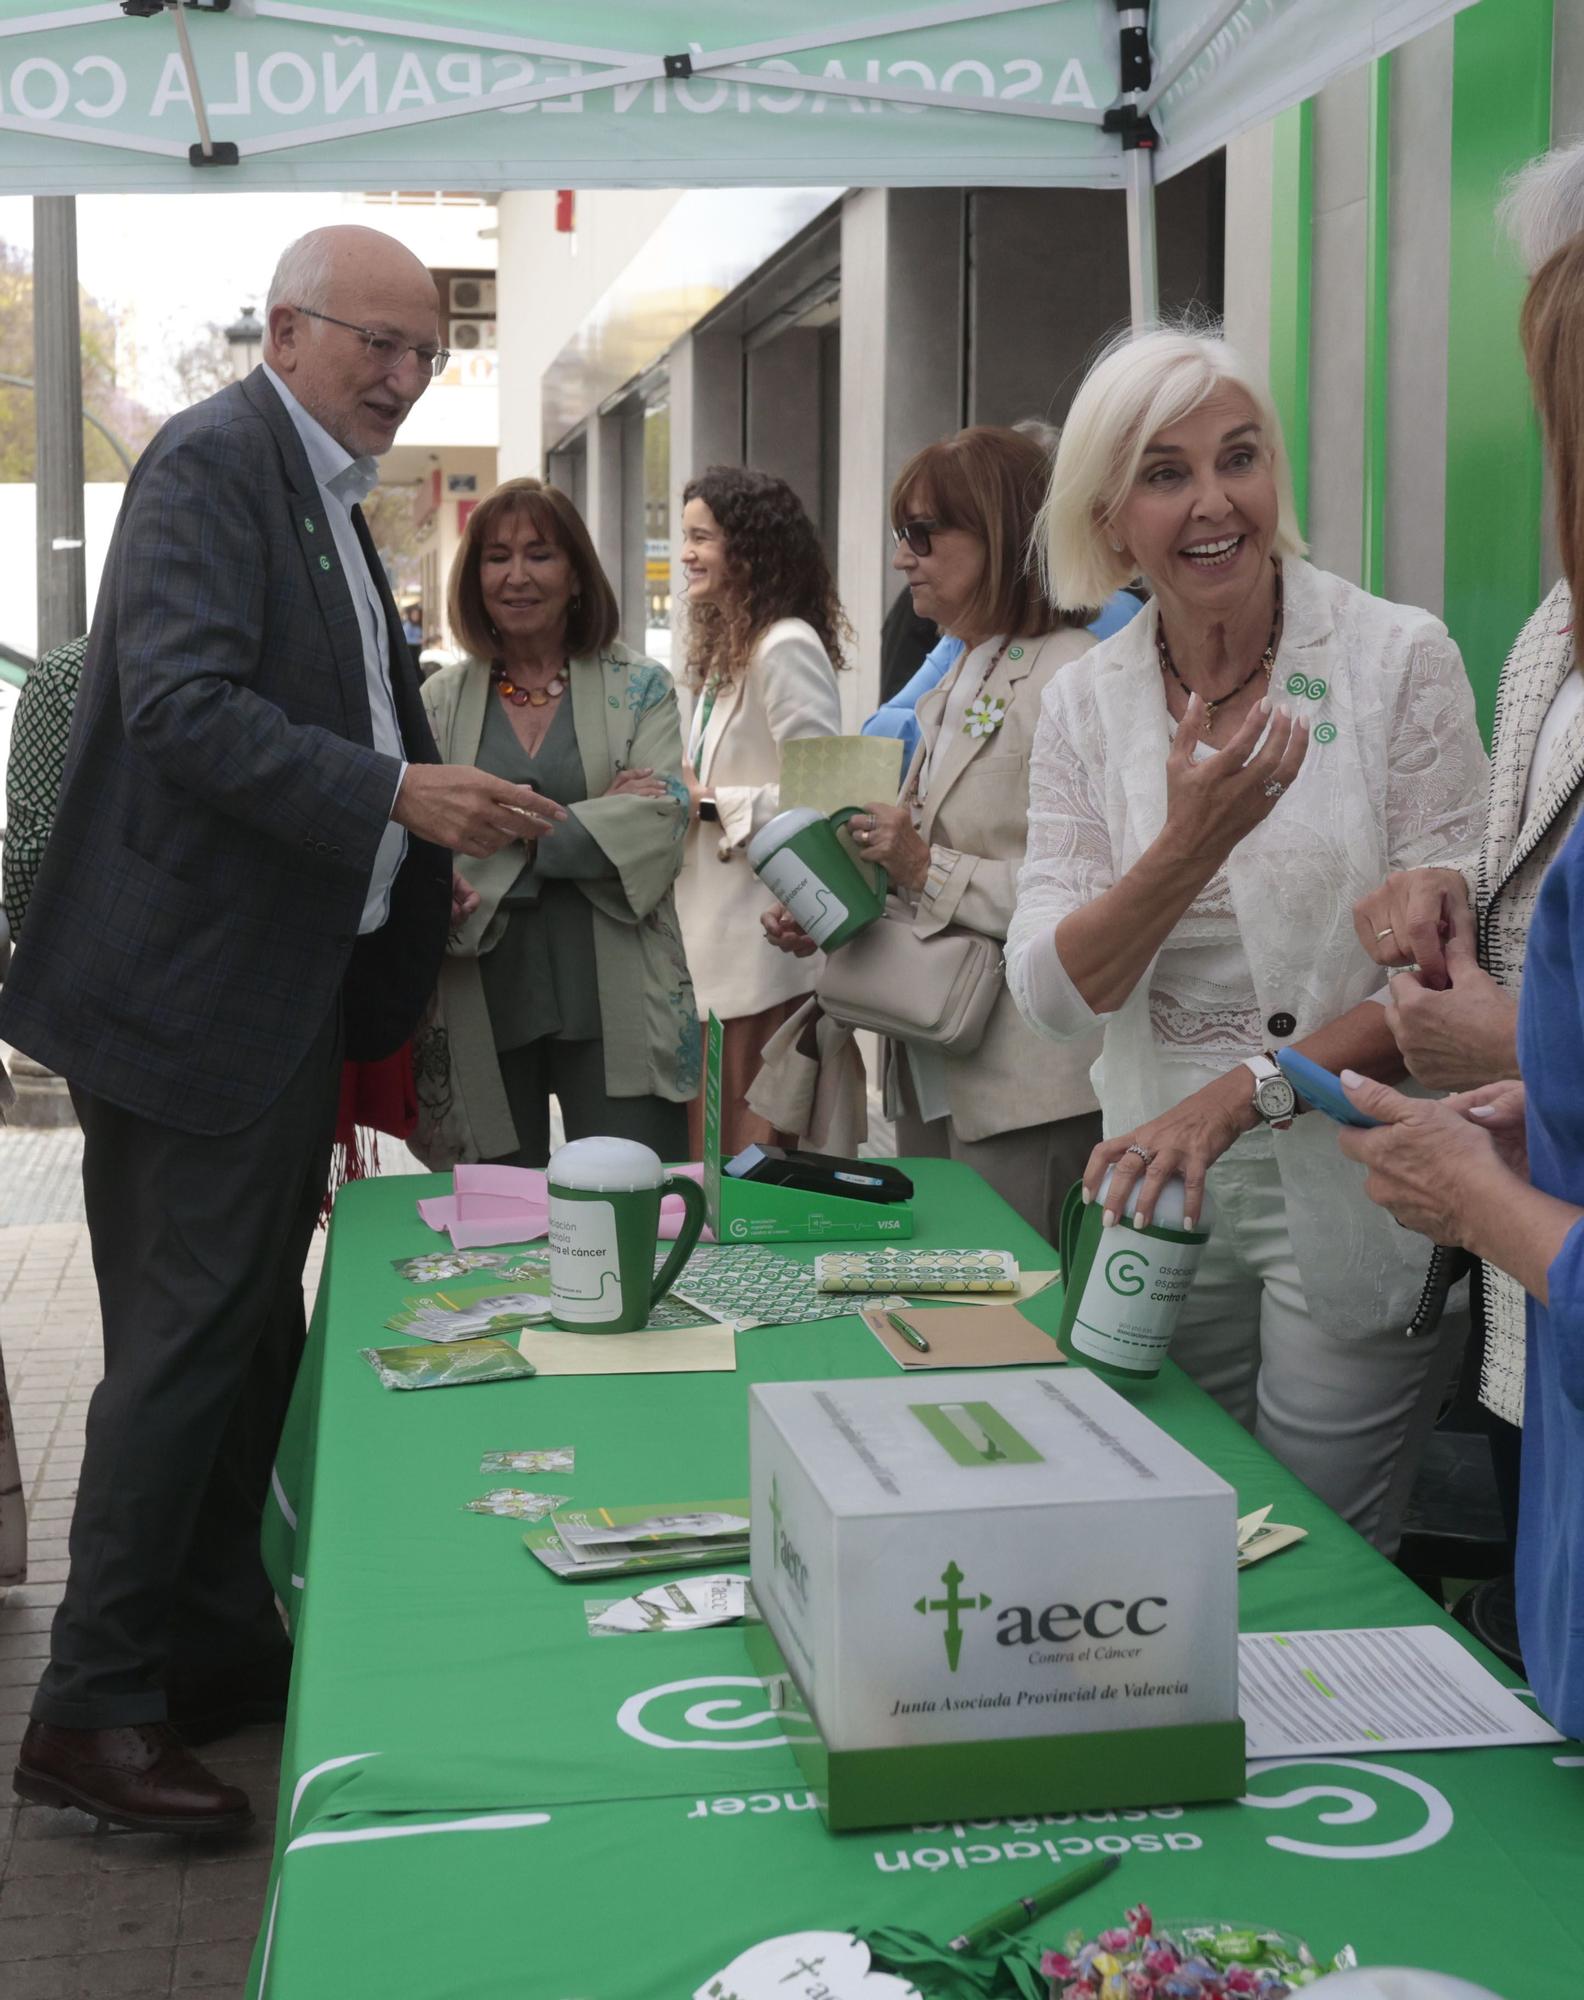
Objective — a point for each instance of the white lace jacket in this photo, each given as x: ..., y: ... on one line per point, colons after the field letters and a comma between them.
x: 1395, y: 778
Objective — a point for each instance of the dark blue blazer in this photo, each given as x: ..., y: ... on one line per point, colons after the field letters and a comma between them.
x: 196, y: 912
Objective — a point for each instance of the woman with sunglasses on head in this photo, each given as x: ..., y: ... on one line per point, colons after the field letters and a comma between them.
x: 765, y: 637
x: 1212, y: 790
x: 962, y: 512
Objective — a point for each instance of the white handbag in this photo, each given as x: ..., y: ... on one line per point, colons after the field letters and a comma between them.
x: 938, y: 991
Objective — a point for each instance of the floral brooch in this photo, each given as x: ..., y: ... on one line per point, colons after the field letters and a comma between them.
x: 986, y: 713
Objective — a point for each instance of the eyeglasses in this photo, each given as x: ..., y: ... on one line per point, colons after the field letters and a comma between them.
x: 384, y: 349
x: 917, y: 535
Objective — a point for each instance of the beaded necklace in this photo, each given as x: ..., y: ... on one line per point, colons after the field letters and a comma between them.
x: 518, y: 696
x: 1262, y: 665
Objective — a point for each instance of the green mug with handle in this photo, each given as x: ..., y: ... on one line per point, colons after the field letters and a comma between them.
x: 801, y: 862
x: 605, y: 1197
x: 1124, y: 1287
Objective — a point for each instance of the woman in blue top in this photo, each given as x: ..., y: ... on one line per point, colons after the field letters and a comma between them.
x: 1513, y: 1192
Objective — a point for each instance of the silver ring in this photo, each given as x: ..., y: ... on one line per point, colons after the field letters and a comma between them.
x: 1390, y: 931
x: 1143, y: 1152
x: 1273, y: 788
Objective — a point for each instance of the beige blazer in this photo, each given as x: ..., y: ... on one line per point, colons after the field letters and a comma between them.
x: 975, y: 819
x: 788, y: 690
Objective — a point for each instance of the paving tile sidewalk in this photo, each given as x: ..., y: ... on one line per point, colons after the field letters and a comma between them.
x: 87, y: 1915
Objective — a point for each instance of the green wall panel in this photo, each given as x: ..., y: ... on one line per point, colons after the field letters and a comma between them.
x: 1501, y: 116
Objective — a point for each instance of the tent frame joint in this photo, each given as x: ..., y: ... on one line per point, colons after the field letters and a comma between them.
x: 1136, y: 131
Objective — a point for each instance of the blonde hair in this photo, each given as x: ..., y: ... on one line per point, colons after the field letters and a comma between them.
x: 1542, y: 205
x: 1552, y: 329
x: 1141, y: 385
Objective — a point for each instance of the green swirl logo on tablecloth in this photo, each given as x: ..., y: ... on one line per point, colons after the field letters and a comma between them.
x: 1404, y: 1813
x: 738, y: 1712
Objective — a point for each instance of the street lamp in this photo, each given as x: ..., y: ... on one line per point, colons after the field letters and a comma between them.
x: 244, y: 337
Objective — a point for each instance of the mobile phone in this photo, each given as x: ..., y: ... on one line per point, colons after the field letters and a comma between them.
x: 1321, y: 1088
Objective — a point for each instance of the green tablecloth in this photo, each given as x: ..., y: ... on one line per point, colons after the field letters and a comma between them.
x: 478, y: 1799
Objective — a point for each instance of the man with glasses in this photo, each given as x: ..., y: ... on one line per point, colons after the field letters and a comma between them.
x: 249, y: 875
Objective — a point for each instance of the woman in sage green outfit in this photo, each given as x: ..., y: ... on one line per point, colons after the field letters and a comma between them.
x: 569, y: 979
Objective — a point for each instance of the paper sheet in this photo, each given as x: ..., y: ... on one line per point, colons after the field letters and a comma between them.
x: 828, y: 772
x: 964, y: 1336
x: 681, y: 1350
x: 1402, y: 1687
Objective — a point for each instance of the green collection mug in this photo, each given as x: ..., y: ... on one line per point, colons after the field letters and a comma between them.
x: 605, y: 1199
x: 1124, y: 1287
x: 802, y: 863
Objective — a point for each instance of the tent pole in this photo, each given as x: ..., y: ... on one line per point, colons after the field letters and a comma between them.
x: 1132, y: 126
x: 1143, y: 277
x: 57, y: 405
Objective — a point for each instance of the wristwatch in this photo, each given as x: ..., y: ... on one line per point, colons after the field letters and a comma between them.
x: 1274, y: 1097
x: 707, y: 809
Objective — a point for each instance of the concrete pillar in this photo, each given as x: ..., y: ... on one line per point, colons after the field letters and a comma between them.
x: 602, y: 509
x: 57, y: 397
x: 1247, y: 282
x: 1336, y: 350
x: 782, y: 383
x: 705, y: 371
x: 901, y: 386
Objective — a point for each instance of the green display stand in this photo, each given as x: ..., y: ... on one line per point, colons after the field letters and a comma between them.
x: 919, y: 1784
x: 755, y: 1212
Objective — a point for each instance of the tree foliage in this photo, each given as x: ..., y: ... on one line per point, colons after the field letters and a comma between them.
x: 128, y: 419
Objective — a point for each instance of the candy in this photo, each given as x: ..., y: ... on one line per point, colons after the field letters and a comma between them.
x: 1199, y: 1961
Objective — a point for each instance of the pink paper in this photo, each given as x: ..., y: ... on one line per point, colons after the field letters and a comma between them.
x: 514, y: 1183
x: 494, y: 1205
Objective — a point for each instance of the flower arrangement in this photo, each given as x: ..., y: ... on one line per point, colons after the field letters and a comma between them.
x: 1201, y: 1961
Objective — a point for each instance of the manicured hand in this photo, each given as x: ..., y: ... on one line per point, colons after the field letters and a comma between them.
x: 1502, y: 1110
x: 784, y: 931
x: 464, y: 899
x: 1428, y: 1163
x: 1213, y: 802
x: 887, y: 836
x: 639, y: 782
x: 1186, y: 1141
x: 1411, y: 917
x: 1462, y: 1034
x: 470, y: 811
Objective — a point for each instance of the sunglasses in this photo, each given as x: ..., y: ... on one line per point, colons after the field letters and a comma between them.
x: 917, y: 535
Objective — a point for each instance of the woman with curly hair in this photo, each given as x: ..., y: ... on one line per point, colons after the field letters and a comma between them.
x: 764, y: 641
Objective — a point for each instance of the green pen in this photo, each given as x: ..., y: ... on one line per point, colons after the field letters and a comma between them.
x: 910, y: 1334
x: 1029, y: 1909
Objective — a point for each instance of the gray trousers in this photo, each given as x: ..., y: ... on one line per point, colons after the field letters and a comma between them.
x: 1031, y: 1169
x: 574, y: 1074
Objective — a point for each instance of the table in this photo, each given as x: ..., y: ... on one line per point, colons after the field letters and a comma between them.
x: 479, y: 1799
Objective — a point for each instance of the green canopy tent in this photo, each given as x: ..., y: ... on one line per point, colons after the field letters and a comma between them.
x: 152, y: 95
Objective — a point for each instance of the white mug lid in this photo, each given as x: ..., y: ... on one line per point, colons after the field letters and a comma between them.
x: 610, y: 1166
x: 778, y: 831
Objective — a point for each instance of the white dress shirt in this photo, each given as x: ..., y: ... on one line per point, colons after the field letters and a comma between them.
x: 344, y: 482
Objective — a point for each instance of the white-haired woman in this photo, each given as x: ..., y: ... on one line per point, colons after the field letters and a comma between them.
x: 1212, y: 789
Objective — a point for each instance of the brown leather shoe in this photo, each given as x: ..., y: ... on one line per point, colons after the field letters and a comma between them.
x: 142, y: 1776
